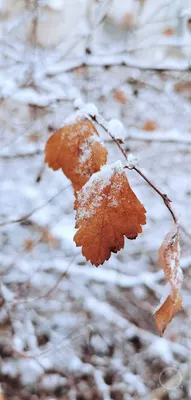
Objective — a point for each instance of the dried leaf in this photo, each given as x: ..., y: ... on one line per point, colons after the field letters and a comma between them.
x: 169, y: 32
x: 47, y: 237
x: 183, y: 87
x: 107, y: 209
x: 1, y: 393
x: 33, y: 138
x: 29, y: 244
x: 166, y: 312
x: 119, y: 95
x: 169, y: 260
x: 128, y: 21
x: 77, y: 150
x: 150, y: 126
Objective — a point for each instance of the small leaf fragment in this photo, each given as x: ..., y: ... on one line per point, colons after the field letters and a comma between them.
x: 150, y: 126
x: 169, y: 31
x: 119, y: 96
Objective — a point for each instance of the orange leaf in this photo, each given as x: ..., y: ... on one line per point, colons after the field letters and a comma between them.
x: 169, y: 32
x: 77, y: 150
x: 1, y: 396
x: 128, y: 20
x: 169, y: 260
x: 183, y: 87
x: 107, y: 209
x: 166, y: 312
x: 29, y: 245
x: 119, y: 95
x: 150, y: 126
x: 47, y: 237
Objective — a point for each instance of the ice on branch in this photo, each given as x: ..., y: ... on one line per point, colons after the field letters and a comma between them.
x: 117, y: 129
x: 131, y: 161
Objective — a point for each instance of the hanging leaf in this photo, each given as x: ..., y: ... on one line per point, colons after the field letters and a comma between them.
x: 77, y: 150
x: 107, y: 210
x: 169, y: 260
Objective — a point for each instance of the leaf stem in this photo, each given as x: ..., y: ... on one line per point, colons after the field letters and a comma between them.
x: 100, y: 121
x: 164, y: 196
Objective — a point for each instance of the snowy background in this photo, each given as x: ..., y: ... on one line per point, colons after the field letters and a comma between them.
x: 69, y: 330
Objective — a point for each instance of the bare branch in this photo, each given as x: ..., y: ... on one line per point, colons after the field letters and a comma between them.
x: 170, y: 137
x: 120, y: 59
x: 27, y: 216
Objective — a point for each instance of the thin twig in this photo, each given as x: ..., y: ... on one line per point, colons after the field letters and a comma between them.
x: 164, y: 196
x: 49, y: 292
x: 40, y: 173
x: 100, y: 121
x: 27, y: 216
x: 171, y: 137
x: 20, y: 155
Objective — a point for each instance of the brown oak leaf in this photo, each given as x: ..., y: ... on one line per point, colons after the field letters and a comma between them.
x: 77, y: 150
x: 169, y: 260
x: 107, y: 210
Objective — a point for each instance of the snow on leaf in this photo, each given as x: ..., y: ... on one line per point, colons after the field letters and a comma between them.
x: 76, y: 149
x: 169, y: 260
x: 107, y: 210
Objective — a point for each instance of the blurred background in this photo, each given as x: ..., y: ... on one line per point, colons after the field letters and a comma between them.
x: 69, y: 330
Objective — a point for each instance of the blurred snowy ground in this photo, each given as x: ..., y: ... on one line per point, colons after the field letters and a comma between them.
x: 67, y: 329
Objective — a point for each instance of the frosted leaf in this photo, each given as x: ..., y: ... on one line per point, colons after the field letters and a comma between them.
x: 169, y: 260
x: 76, y: 149
x: 107, y: 210
x: 166, y: 292
x: 103, y: 179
